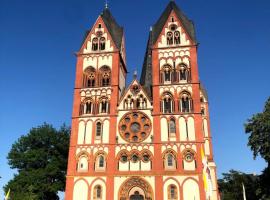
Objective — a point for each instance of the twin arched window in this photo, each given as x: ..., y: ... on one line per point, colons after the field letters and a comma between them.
x: 91, y: 77
x: 179, y: 74
x: 167, y: 103
x: 87, y: 107
x: 105, y: 76
x: 98, y: 44
x: 104, y: 106
x: 82, y: 165
x: 186, y: 103
x: 173, y: 37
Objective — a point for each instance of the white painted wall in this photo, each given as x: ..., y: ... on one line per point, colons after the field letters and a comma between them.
x: 183, y: 129
x: 164, y: 129
x: 80, y: 190
x: 81, y: 132
x: 88, y: 135
x: 191, y: 190
x: 191, y: 129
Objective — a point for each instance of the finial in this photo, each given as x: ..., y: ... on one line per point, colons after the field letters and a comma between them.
x: 135, y: 74
x: 106, y: 4
x: 151, y: 28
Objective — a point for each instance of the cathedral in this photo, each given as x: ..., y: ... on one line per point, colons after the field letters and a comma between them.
x: 149, y: 140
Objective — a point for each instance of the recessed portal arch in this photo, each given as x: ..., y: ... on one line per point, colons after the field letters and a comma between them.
x: 135, y: 188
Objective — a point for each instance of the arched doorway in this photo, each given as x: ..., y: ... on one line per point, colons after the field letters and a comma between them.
x: 136, y: 196
x: 135, y: 188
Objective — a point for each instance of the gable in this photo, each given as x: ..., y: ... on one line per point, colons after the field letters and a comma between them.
x: 108, y: 30
x: 134, y: 98
x: 186, y: 24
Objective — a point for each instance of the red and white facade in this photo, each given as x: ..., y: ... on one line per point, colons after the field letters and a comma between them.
x: 147, y: 141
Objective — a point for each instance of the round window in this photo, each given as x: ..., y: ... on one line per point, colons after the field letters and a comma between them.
x: 135, y: 127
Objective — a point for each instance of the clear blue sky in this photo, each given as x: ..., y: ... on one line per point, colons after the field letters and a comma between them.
x: 38, y: 39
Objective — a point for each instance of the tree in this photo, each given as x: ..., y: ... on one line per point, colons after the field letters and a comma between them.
x: 40, y: 158
x: 231, y: 188
x: 258, y: 128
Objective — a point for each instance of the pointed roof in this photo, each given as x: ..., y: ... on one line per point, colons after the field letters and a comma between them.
x: 114, y: 29
x: 146, y: 75
x: 188, y: 24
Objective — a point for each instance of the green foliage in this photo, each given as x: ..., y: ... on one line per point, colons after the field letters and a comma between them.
x: 259, y: 129
x: 231, y: 187
x: 40, y: 158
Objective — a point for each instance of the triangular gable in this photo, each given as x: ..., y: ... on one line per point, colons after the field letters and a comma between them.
x: 129, y: 91
x: 185, y: 22
x: 114, y: 31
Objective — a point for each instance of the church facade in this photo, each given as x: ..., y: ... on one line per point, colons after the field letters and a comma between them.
x: 149, y: 140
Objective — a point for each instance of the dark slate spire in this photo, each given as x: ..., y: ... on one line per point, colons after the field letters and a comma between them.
x: 188, y: 24
x: 146, y: 75
x: 114, y: 29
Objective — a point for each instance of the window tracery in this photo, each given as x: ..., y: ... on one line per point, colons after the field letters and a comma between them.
x: 135, y: 127
x: 89, y: 77
x: 167, y: 103
x: 186, y: 103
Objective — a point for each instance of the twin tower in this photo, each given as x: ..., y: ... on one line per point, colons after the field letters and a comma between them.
x: 149, y: 140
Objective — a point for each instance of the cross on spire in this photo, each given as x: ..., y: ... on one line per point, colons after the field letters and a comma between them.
x: 106, y: 4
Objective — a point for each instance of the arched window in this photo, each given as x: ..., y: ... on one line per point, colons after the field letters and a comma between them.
x: 95, y: 44
x: 104, y: 106
x: 82, y: 165
x: 177, y: 37
x: 100, y: 162
x: 167, y: 105
x: 172, y: 192
x: 87, y: 107
x: 172, y: 128
x: 105, y: 76
x: 97, y: 192
x: 98, y: 130
x: 102, y: 43
x: 166, y: 74
x: 89, y: 77
x: 184, y: 73
x: 170, y: 161
x: 186, y: 103
x: 169, y: 38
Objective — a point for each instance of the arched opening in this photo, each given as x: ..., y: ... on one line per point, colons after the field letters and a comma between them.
x: 102, y: 43
x: 172, y: 128
x: 167, y: 104
x: 177, y: 37
x: 135, y: 188
x: 184, y: 73
x: 169, y: 38
x: 186, y: 103
x: 166, y: 74
x: 89, y: 77
x: 105, y: 76
x: 95, y: 44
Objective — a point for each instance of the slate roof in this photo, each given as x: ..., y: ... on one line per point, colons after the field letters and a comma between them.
x: 114, y: 29
x: 146, y: 75
x: 188, y: 24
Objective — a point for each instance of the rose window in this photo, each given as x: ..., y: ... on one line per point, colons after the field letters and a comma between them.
x: 135, y: 127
